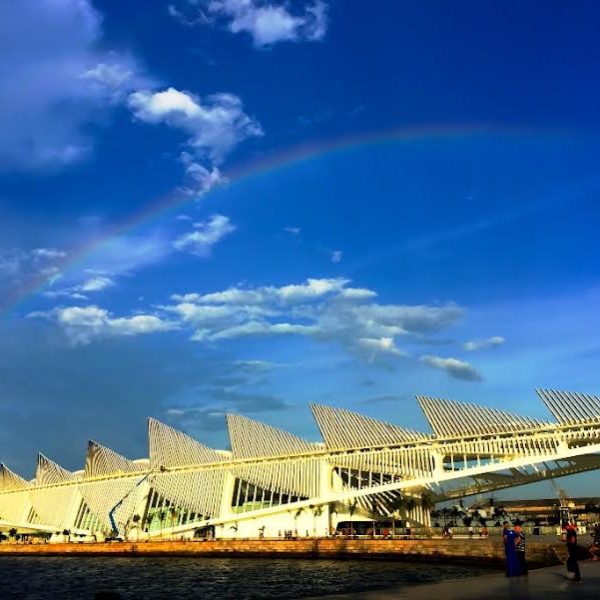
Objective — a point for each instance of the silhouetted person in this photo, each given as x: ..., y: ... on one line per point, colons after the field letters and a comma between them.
x: 520, y: 547
x: 510, y: 549
x: 570, y: 531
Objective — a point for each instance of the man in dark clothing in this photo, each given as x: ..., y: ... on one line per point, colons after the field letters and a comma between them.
x: 570, y: 531
x: 520, y: 546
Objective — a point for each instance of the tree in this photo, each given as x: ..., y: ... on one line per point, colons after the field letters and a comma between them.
x: 296, y: 515
x: 427, y: 502
x: 455, y: 512
x: 149, y: 519
x: 351, y: 510
x: 397, y: 506
x: 445, y: 515
x: 161, y: 517
x: 173, y: 514
x: 317, y: 511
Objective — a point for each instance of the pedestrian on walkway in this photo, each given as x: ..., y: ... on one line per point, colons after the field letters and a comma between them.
x: 570, y: 536
x: 510, y: 549
x: 520, y: 547
x: 594, y: 547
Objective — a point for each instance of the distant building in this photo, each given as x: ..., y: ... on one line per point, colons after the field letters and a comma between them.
x: 549, y: 509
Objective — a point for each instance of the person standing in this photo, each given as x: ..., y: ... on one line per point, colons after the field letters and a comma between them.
x: 520, y: 547
x: 570, y: 532
x: 594, y: 547
x: 510, y: 549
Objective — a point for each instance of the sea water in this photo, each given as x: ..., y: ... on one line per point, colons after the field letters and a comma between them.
x: 148, y: 578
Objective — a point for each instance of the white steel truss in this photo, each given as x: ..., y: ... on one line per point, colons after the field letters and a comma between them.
x: 364, y: 464
x: 199, y: 492
x: 342, y: 428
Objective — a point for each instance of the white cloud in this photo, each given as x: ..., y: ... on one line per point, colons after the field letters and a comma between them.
x: 80, y: 291
x: 128, y: 253
x: 199, y: 179
x: 199, y: 17
x: 96, y: 284
x: 215, y: 125
x: 491, y: 342
x: 61, y: 80
x: 292, y: 230
x: 326, y: 310
x: 336, y: 256
x: 207, y: 234
x: 269, y: 24
x: 48, y: 253
x: 382, y: 345
x: 323, y: 310
x: 123, y: 256
x: 114, y: 80
x: 20, y: 263
x: 84, y: 324
x: 454, y: 367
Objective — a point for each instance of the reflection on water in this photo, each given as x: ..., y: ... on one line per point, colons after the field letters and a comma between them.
x: 44, y: 578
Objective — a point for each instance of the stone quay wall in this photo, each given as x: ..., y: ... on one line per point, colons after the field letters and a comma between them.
x: 489, y: 551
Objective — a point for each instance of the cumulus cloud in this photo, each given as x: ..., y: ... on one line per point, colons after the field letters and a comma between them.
x: 206, y: 235
x: 267, y: 22
x: 327, y: 310
x: 382, y: 345
x: 80, y: 291
x: 64, y: 81
x: 199, y: 179
x: 336, y: 256
x: 84, y: 324
x: 491, y: 342
x: 96, y: 284
x: 215, y: 125
x: 324, y: 310
x: 454, y: 367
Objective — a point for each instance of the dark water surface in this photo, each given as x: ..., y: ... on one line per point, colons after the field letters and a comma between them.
x: 44, y: 578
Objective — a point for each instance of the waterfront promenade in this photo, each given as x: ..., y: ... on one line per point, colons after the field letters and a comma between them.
x: 550, y: 583
x: 541, y: 552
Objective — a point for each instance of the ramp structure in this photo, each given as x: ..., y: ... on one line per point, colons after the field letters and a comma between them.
x: 272, y: 481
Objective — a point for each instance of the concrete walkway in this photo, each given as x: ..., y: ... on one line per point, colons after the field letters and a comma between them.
x: 545, y: 584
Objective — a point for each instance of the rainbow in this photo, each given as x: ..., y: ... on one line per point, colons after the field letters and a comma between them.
x: 288, y: 157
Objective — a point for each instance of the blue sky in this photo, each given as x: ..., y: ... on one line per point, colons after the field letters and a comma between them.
x: 428, y: 224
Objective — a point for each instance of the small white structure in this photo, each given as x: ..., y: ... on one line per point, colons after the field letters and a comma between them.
x: 274, y: 484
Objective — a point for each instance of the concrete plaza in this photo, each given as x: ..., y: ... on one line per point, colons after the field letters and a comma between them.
x: 549, y: 583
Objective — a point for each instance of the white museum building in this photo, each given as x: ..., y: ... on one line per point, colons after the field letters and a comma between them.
x: 273, y: 483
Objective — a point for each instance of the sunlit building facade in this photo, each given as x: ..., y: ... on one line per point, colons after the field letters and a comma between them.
x: 273, y: 483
